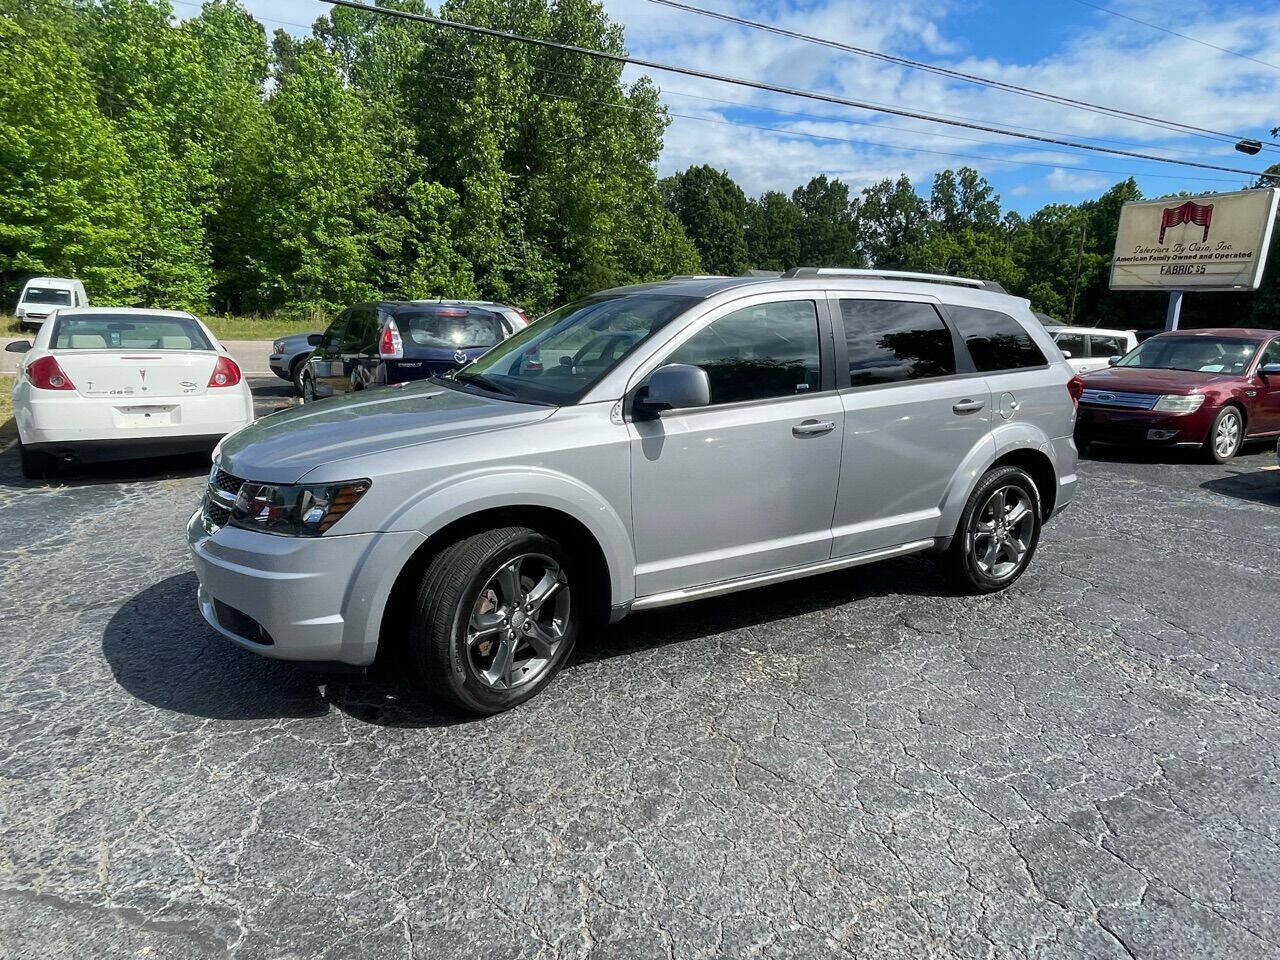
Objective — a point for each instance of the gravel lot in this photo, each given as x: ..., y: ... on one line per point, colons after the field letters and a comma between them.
x: 858, y: 765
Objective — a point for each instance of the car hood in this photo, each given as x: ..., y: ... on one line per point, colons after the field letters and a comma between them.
x: 1151, y: 380
x: 284, y: 447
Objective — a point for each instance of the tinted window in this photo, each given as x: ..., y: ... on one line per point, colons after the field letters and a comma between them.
x: 1200, y: 354
x: 127, y: 332
x: 361, y: 332
x: 1072, y: 343
x: 1107, y: 346
x: 333, y: 335
x: 995, y: 340
x: 52, y: 295
x: 890, y: 341
x: 770, y: 350
x: 450, y: 328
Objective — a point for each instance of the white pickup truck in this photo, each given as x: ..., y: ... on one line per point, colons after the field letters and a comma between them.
x: 1091, y: 348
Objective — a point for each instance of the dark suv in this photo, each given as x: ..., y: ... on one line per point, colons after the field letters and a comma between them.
x: 395, y: 341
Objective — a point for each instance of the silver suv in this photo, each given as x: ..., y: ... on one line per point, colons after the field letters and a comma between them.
x: 646, y: 446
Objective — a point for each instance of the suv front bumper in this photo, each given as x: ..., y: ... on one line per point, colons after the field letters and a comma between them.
x: 298, y: 598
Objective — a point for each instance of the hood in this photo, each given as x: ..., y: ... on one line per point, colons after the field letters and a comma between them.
x: 1152, y: 380
x: 284, y: 447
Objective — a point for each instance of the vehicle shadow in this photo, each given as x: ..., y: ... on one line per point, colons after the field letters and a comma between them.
x: 115, y: 471
x: 1120, y: 453
x: 163, y: 653
x: 1257, y: 486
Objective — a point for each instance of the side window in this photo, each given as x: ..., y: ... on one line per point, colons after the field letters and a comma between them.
x: 996, y: 341
x: 1072, y: 343
x: 891, y: 341
x: 1271, y: 354
x: 1106, y: 346
x: 333, y: 335
x: 361, y: 333
x: 769, y: 350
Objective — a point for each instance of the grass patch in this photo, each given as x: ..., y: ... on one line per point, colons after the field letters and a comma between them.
x: 8, y: 429
x: 224, y: 326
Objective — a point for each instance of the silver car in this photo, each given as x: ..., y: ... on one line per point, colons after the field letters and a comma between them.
x: 646, y: 446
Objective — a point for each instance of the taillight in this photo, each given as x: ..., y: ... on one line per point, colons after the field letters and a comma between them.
x: 47, y: 375
x: 225, y: 373
x: 523, y: 316
x: 1075, y: 387
x: 390, y: 345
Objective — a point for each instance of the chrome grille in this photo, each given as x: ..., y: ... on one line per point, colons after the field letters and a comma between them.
x: 1119, y: 398
x: 219, y: 496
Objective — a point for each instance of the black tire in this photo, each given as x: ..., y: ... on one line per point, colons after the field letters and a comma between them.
x: 308, y: 392
x: 35, y: 464
x: 1215, y: 453
x: 295, y: 373
x: 456, y: 584
x: 981, y: 574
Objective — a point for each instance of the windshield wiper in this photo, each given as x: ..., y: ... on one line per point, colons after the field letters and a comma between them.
x: 480, y: 380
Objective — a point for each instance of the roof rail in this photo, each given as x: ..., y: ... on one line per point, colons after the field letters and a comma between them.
x: 697, y: 276
x: 893, y: 275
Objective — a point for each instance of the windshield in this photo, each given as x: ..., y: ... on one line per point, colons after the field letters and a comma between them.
x: 564, y: 354
x: 449, y: 328
x: 53, y: 295
x: 1198, y: 354
x: 125, y: 332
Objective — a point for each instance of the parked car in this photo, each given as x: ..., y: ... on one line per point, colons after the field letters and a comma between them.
x: 1091, y: 348
x: 289, y: 356
x: 1195, y: 388
x: 42, y: 295
x: 644, y: 447
x: 385, y: 342
x: 116, y: 383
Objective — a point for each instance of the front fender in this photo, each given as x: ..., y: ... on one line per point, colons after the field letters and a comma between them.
x: 488, y: 488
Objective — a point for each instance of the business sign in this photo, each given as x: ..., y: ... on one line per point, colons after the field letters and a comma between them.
x: 1214, y: 242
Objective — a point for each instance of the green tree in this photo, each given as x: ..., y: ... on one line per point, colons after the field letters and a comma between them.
x: 964, y: 200
x: 713, y: 210
x: 67, y: 202
x: 895, y: 220
x: 301, y: 241
x: 152, y: 84
x: 773, y: 232
x: 828, y: 230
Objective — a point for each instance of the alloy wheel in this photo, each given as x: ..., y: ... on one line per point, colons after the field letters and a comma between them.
x: 1001, y: 533
x: 1227, y: 437
x: 518, y: 622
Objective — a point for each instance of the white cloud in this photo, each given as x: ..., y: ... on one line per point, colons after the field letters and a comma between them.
x: 1065, y: 181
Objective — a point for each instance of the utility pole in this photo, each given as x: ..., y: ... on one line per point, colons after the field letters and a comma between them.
x: 1075, y: 283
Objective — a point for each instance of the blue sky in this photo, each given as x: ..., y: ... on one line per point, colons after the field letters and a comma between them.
x: 1062, y: 46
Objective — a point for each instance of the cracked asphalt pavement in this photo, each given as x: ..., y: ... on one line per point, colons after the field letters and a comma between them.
x: 860, y: 765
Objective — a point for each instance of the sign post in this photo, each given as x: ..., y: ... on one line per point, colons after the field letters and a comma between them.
x: 1216, y: 242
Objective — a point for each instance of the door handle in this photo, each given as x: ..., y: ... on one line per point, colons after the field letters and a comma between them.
x: 812, y: 428
x: 968, y: 406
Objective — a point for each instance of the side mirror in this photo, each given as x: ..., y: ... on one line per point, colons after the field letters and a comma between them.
x: 677, y: 386
x: 1268, y: 369
x: 18, y: 346
x: 1066, y: 354
x: 1112, y: 361
x: 315, y: 339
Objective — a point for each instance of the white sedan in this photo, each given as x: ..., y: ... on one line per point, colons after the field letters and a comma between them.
x: 113, y: 383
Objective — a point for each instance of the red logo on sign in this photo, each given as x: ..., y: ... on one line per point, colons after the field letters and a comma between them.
x: 1190, y: 212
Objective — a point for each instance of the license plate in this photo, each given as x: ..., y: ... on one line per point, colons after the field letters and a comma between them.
x: 149, y: 416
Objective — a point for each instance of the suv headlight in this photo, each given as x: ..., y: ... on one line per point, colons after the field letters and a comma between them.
x: 294, y: 510
x: 1179, y: 403
x: 278, y: 347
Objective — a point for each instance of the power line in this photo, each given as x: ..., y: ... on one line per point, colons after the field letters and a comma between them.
x: 1101, y: 109
x: 1175, y: 33
x: 777, y: 88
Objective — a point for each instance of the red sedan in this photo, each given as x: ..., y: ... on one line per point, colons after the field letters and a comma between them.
x: 1200, y: 388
